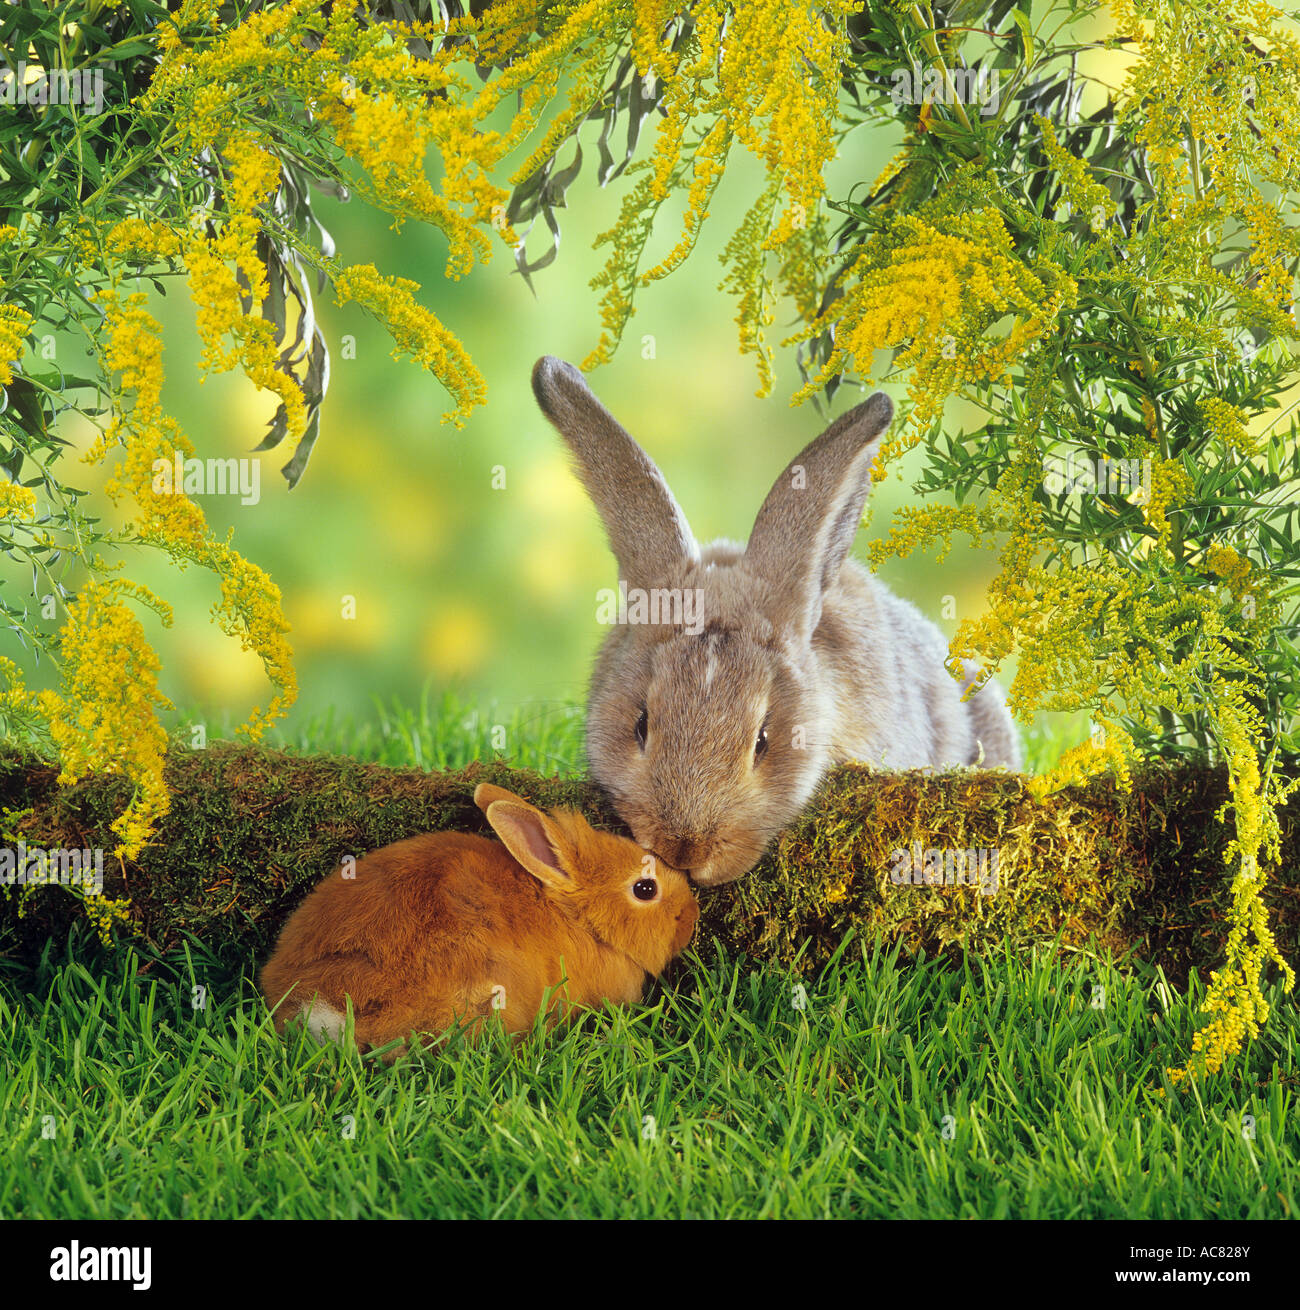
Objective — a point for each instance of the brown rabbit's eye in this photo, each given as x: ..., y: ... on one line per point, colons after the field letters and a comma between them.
x: 760, y: 746
x: 645, y: 889
x: 642, y: 723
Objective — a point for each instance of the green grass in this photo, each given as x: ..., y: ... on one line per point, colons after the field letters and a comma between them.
x: 449, y: 730
x: 446, y: 732
x: 899, y: 1088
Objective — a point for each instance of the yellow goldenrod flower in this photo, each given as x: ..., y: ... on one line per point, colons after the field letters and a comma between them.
x: 1225, y: 563
x: 16, y: 502
x: 104, y: 717
x: 1228, y: 424
x: 415, y: 330
x: 15, y: 323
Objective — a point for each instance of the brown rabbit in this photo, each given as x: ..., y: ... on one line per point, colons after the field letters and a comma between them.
x: 450, y: 927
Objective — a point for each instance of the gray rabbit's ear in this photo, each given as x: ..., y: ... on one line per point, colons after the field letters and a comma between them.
x: 810, y: 517
x: 647, y: 531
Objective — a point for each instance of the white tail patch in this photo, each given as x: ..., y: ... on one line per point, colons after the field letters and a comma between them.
x: 323, y: 1021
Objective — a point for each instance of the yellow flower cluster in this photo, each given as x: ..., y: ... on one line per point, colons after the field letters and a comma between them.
x: 383, y: 108
x: 250, y: 606
x: 16, y: 501
x: 572, y: 43
x: 1081, y: 190
x: 1170, y: 486
x: 1228, y: 424
x: 415, y: 330
x: 216, y: 266
x: 764, y: 75
x: 1106, y: 751
x: 1216, y: 121
x: 191, y: 14
x: 1053, y: 615
x: 131, y: 347
x: 105, y: 715
x: 749, y: 281
x: 935, y: 286
x: 105, y: 912
x: 251, y: 610
x: 15, y: 323
x: 707, y: 168
x: 1127, y: 23
x: 1234, y: 1002
x: 920, y: 526
x: 778, y: 78
x: 1224, y: 562
x: 1275, y: 246
x: 141, y: 241
x: 650, y: 20
x: 391, y: 144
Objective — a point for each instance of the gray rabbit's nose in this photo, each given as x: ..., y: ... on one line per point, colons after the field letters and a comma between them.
x: 683, y: 852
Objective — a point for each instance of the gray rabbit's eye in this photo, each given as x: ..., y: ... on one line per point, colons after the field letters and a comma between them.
x: 642, y: 723
x: 645, y: 889
x: 760, y: 746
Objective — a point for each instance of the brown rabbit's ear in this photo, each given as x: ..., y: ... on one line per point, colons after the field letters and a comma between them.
x: 486, y: 792
x: 647, y: 530
x: 810, y: 517
x: 534, y: 839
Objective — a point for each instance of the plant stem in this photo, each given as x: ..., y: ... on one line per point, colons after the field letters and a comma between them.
x: 928, y: 40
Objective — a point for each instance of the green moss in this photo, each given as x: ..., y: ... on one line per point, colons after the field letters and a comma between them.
x: 252, y: 829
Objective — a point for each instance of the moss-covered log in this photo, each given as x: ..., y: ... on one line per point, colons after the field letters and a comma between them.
x: 251, y: 830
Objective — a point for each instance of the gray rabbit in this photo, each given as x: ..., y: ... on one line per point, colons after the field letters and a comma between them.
x: 741, y: 674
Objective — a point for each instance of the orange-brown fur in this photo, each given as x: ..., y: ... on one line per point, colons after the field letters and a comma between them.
x: 429, y: 931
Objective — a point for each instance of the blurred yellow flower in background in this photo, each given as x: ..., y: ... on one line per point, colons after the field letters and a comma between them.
x: 456, y: 640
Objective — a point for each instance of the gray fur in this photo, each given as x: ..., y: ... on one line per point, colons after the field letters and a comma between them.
x: 642, y: 520
x: 794, y: 636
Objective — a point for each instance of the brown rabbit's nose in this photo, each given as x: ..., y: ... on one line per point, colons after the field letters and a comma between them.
x: 682, y: 852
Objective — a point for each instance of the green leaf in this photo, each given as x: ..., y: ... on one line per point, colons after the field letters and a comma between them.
x: 1021, y: 20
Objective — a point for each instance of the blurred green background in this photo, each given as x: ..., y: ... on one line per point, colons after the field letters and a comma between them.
x: 491, y: 592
